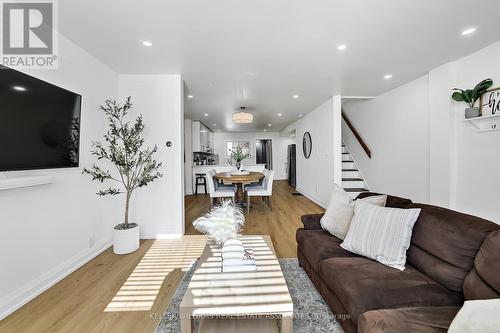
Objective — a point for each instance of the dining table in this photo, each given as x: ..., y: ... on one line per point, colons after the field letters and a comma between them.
x: 239, y: 179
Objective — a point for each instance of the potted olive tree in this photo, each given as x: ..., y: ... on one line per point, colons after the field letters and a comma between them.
x: 135, y: 167
x: 470, y: 96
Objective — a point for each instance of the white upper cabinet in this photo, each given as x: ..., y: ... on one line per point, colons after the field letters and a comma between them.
x: 202, y: 138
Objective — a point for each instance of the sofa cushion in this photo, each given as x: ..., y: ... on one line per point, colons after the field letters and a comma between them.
x: 420, y: 319
x: 483, y: 281
x: 445, y: 243
x: 317, y: 245
x: 392, y: 201
x: 340, y: 211
x: 381, y: 233
x: 362, y: 284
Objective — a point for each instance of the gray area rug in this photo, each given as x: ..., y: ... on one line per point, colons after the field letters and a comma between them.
x: 311, y: 314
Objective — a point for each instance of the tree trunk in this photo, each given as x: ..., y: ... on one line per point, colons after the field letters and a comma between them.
x: 127, y: 201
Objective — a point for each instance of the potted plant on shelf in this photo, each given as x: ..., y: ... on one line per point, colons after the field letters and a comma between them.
x: 134, y: 164
x: 470, y: 96
x: 238, y: 155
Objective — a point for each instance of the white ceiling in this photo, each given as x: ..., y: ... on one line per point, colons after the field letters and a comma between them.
x: 269, y: 50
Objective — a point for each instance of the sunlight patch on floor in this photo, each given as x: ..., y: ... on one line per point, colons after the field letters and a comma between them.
x: 140, y: 290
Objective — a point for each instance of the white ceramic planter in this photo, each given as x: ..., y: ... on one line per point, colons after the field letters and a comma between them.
x: 125, y: 241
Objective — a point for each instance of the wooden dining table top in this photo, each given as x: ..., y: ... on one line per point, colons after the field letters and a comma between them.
x: 228, y: 177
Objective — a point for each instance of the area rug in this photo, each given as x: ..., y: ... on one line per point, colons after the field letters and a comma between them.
x: 311, y: 314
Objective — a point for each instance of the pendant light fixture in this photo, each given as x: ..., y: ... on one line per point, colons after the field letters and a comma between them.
x: 243, y: 117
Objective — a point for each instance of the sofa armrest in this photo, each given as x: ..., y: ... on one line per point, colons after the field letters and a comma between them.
x: 311, y: 221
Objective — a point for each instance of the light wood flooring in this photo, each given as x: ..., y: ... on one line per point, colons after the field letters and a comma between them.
x: 129, y: 293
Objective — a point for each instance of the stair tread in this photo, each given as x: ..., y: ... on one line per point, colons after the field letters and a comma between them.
x: 350, y: 170
x: 345, y: 153
x: 348, y: 161
x: 355, y: 189
x: 352, y: 179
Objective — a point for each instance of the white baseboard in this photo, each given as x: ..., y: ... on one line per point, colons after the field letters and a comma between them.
x: 310, y: 197
x: 32, y: 289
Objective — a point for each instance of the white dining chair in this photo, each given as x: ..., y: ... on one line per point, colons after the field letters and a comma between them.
x: 265, y: 190
x: 217, y: 191
x: 264, y: 172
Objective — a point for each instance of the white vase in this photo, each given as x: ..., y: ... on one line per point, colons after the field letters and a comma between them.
x: 125, y: 241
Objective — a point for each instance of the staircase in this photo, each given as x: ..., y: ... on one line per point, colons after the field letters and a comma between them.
x: 352, y: 180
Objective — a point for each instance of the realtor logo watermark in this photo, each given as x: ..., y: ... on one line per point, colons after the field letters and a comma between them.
x: 29, y: 34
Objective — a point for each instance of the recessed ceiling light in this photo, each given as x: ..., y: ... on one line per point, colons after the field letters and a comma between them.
x: 341, y: 47
x: 147, y: 43
x: 206, y: 114
x: 280, y: 114
x: 269, y: 125
x: 190, y: 96
x: 388, y: 76
x: 468, y: 31
x: 19, y: 88
x: 296, y: 96
x: 301, y: 115
x: 265, y: 130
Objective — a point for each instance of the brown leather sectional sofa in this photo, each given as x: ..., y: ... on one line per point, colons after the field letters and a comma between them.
x: 452, y: 257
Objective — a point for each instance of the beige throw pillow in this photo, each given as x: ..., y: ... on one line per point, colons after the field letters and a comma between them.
x: 477, y: 316
x: 340, y: 210
x: 380, y: 233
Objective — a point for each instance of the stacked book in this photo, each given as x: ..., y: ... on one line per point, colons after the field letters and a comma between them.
x: 235, y: 258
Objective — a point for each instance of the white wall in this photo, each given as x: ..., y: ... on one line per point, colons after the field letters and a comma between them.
x: 280, y: 144
x: 49, y: 230
x: 462, y: 165
x: 315, y: 176
x: 477, y: 158
x: 159, y: 207
x: 395, y: 126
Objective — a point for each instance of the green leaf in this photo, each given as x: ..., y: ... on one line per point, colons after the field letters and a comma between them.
x: 458, y: 96
x: 483, y: 85
x: 468, y: 96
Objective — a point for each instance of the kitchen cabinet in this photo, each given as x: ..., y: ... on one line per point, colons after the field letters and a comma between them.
x: 202, y: 137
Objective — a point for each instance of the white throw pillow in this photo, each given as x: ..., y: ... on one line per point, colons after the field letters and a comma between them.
x: 477, y: 316
x: 381, y: 233
x: 340, y: 210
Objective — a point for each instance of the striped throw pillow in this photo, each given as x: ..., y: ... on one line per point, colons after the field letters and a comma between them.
x: 381, y: 233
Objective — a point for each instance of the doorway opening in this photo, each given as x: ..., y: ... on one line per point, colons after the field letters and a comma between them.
x: 264, y: 153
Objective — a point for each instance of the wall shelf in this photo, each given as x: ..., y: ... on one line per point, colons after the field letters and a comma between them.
x: 18, y: 181
x: 488, y: 123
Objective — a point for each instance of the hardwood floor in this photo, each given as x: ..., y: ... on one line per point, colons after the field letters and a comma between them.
x: 129, y: 293
x: 280, y: 223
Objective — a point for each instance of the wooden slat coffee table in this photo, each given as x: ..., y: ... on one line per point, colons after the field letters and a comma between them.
x: 240, y: 301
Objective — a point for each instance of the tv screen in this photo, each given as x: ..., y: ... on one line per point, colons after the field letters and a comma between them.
x: 39, y: 123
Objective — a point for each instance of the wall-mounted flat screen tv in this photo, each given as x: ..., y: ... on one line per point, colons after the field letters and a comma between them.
x: 39, y: 123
